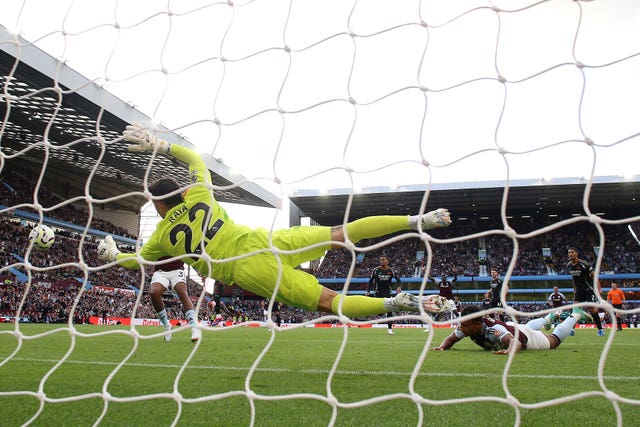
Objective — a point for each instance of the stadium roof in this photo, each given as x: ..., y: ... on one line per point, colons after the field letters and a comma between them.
x: 82, y: 123
x: 613, y: 196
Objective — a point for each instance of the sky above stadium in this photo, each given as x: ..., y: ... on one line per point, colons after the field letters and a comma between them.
x: 340, y: 94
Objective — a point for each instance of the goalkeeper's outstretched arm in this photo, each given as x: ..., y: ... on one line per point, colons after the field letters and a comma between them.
x: 142, y: 141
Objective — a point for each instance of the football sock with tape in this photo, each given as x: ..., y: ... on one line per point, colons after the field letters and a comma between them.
x: 162, y: 316
x: 191, y: 316
x: 564, y: 329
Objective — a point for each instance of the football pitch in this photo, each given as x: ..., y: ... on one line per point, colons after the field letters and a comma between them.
x: 309, y: 377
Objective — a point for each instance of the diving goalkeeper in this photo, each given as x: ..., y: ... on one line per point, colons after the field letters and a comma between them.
x: 196, y: 229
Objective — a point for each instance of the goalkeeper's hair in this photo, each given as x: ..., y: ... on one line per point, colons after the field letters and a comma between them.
x: 166, y: 185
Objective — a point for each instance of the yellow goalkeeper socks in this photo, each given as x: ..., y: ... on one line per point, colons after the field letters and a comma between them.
x: 358, y: 306
x: 376, y: 226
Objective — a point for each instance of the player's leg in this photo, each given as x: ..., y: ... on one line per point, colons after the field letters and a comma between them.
x: 218, y: 289
x: 261, y: 273
x: 597, y: 320
x: 619, y: 317
x: 539, y: 323
x: 318, y: 237
x: 159, y: 284
x: 543, y: 322
x: 377, y: 226
x: 583, y: 296
x: 564, y: 329
x: 187, y: 308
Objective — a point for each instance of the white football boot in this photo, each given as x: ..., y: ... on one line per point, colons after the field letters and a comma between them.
x: 167, y: 336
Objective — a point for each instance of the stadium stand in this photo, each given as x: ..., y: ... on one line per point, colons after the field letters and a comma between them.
x: 111, y: 293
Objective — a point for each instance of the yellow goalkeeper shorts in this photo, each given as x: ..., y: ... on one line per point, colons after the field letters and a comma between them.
x: 261, y: 273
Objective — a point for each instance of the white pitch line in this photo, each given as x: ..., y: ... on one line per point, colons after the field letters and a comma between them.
x: 341, y: 372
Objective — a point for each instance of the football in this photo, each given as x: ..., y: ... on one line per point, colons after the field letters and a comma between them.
x: 42, y: 237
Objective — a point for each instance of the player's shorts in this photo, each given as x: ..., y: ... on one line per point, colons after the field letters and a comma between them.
x: 496, y: 303
x: 536, y: 340
x: 259, y: 273
x: 169, y: 279
x: 585, y: 295
x: 382, y: 294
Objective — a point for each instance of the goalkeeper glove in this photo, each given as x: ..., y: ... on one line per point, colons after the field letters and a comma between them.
x: 144, y: 141
x: 107, y: 250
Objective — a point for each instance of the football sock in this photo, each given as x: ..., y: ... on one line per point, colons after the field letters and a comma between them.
x: 216, y: 299
x: 162, y: 316
x: 191, y: 316
x: 376, y: 226
x: 564, y: 329
x: 538, y: 323
x: 358, y: 305
x: 597, y: 320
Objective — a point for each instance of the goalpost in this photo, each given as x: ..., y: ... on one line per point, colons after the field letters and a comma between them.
x: 334, y: 94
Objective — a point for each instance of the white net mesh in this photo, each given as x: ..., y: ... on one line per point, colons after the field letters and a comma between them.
x: 330, y: 94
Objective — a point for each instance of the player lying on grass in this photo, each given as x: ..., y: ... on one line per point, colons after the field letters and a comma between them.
x: 198, y: 231
x: 499, y: 337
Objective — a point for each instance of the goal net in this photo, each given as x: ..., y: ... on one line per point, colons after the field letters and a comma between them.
x: 290, y: 96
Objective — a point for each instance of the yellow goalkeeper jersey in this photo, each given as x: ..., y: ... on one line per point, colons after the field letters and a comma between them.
x: 197, y: 225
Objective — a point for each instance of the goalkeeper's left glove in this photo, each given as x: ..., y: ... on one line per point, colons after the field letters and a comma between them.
x: 143, y: 140
x: 107, y: 250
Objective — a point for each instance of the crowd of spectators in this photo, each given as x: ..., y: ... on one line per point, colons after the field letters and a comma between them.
x: 16, y: 190
x: 621, y: 253
x: 57, y: 275
x: 54, y: 304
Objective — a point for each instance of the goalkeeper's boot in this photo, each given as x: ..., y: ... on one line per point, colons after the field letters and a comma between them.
x: 404, y: 302
x: 600, y: 332
x: 436, y: 219
x: 167, y: 335
x: 196, y: 334
x: 584, y: 316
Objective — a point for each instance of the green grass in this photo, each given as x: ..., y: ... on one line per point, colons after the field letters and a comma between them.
x: 293, y: 384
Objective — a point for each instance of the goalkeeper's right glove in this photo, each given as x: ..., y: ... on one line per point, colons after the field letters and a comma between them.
x: 143, y: 140
x: 107, y: 250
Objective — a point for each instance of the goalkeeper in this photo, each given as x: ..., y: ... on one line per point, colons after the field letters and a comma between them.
x: 197, y: 230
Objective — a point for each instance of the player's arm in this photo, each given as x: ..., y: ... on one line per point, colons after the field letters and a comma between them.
x: 143, y: 141
x: 371, y: 280
x: 448, y: 342
x: 108, y: 252
x: 395, y: 276
x: 511, y: 342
